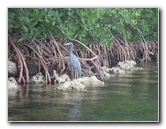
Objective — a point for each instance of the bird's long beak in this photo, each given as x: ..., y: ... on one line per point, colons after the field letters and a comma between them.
x: 66, y: 44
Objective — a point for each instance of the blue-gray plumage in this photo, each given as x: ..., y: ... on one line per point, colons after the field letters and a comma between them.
x: 74, y: 60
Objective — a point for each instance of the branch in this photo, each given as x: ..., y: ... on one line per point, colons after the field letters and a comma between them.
x: 88, y: 49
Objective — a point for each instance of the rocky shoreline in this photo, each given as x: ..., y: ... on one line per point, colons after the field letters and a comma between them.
x: 64, y: 82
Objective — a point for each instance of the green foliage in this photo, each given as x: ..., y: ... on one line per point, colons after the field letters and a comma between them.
x: 89, y: 25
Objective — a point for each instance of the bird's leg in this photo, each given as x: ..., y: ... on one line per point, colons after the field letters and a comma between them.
x: 72, y: 74
x: 75, y: 75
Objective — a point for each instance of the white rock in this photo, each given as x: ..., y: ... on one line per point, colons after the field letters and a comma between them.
x: 72, y: 85
x: 12, y: 69
x: 120, y: 63
x: 38, y: 78
x: 107, y: 75
x: 80, y: 83
x: 61, y: 79
x: 12, y: 83
x: 106, y: 69
x: 55, y: 74
x: 92, y: 81
x: 127, y: 65
x: 107, y: 72
x: 117, y: 70
x: 131, y: 62
x: 12, y: 86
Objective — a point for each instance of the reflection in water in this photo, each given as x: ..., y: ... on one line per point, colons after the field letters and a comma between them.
x: 132, y: 96
x: 74, y: 112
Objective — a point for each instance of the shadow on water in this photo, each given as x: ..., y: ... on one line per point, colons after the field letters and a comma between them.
x: 132, y: 96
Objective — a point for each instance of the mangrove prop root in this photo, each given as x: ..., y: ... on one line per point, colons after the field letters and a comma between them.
x: 54, y: 56
x: 25, y: 66
x: 20, y: 62
x: 61, y: 57
x: 48, y: 78
x: 119, y: 45
x: 146, y: 55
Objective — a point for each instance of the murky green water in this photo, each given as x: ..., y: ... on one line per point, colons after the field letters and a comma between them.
x: 132, y: 96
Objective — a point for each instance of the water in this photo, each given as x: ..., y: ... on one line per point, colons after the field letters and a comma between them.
x: 132, y: 96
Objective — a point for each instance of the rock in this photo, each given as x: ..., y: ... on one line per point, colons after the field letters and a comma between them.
x: 131, y: 62
x: 126, y: 65
x: 60, y: 79
x: 72, y: 85
x: 12, y: 86
x: 120, y: 63
x: 116, y: 70
x: 12, y: 69
x: 12, y: 83
x: 80, y: 83
x: 106, y: 71
x: 55, y: 74
x: 38, y: 78
x: 92, y: 81
x: 107, y: 75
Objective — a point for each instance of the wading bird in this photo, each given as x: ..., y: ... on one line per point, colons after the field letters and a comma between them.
x: 74, y: 60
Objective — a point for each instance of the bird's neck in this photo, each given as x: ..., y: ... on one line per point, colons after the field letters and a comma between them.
x: 71, y: 53
x: 71, y: 49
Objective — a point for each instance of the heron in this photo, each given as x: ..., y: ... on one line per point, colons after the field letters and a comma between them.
x: 74, y: 60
